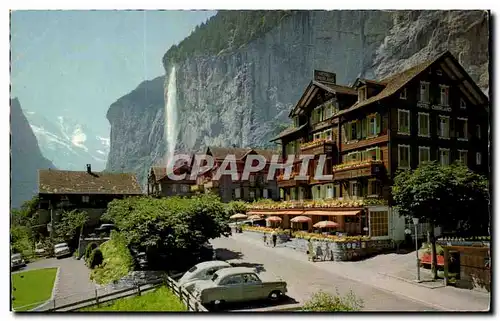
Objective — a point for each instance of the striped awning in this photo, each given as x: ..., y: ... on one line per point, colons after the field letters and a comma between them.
x: 333, y: 213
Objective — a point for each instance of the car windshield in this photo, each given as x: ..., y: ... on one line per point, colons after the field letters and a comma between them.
x: 215, y: 277
x: 191, y: 270
x: 58, y: 246
x: 16, y: 256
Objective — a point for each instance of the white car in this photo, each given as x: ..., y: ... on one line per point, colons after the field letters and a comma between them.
x: 61, y: 250
x: 16, y: 261
x: 201, y: 271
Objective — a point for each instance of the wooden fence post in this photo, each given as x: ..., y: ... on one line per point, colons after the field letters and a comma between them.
x: 180, y: 295
x: 54, y: 301
x: 96, y: 298
x: 139, y: 289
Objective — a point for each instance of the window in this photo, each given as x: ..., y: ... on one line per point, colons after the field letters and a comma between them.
x: 478, y: 158
x: 296, y: 121
x: 251, y: 178
x: 361, y: 93
x: 329, y: 191
x: 237, y: 192
x: 478, y: 131
x: 328, y: 110
x: 403, y: 121
x: 403, y: 156
x: 444, y: 127
x: 374, y: 187
x: 354, y: 130
x: 85, y: 199
x: 379, y: 223
x: 462, y: 128
x: 424, y: 92
x: 318, y: 112
x: 402, y: 94
x: 372, y: 154
x: 252, y: 194
x: 174, y: 188
x: 424, y: 154
x: 423, y: 124
x: 463, y: 104
x: 444, y: 95
x: 462, y: 156
x: 444, y: 156
x: 316, y: 136
x: 328, y: 135
x: 355, y: 189
x: 184, y: 188
x: 264, y: 193
x: 232, y: 280
x: 250, y: 278
x: 372, y: 125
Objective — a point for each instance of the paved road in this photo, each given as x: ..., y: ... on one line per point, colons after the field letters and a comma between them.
x: 304, y: 278
x: 73, y: 283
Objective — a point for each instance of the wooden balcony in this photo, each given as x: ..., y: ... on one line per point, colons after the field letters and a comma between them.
x: 317, y: 147
x: 358, y: 169
x: 291, y: 182
x: 382, y: 138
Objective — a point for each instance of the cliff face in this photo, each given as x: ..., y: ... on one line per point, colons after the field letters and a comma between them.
x: 25, y: 157
x: 243, y: 97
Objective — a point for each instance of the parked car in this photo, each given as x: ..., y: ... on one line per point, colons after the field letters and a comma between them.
x: 105, y: 229
x: 237, y: 284
x: 201, y: 271
x: 40, y: 250
x: 61, y: 250
x: 16, y: 261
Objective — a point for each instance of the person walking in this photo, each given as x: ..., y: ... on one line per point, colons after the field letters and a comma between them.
x: 274, y: 236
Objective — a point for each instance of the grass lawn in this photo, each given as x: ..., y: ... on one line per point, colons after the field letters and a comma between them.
x: 32, y: 287
x: 161, y: 299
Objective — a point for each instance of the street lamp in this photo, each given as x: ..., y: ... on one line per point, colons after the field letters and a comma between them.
x: 415, y: 222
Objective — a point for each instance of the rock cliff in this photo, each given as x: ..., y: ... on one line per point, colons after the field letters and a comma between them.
x: 242, y: 96
x: 25, y: 157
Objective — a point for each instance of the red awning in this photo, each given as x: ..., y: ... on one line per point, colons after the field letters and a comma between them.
x: 333, y: 213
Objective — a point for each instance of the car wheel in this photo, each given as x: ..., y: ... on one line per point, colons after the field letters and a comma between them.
x: 275, y: 295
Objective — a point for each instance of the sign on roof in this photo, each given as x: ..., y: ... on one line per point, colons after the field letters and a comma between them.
x: 325, y: 76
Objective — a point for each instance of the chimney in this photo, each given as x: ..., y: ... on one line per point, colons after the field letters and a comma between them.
x: 89, y: 169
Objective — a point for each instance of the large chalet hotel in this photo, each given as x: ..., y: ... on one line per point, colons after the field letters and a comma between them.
x: 368, y: 131
x: 431, y: 112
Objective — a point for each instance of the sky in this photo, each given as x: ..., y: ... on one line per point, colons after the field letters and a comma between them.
x: 77, y: 63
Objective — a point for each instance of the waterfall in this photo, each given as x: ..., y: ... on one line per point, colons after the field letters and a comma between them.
x: 171, y: 116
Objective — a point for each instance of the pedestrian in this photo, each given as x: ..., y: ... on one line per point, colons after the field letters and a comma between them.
x: 274, y: 236
x: 310, y: 250
x: 265, y: 238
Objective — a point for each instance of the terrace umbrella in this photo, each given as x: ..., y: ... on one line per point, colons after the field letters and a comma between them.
x: 326, y: 224
x: 238, y: 216
x: 255, y: 217
x: 273, y: 219
x: 301, y: 219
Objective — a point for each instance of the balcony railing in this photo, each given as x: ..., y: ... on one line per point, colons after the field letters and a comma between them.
x: 358, y: 169
x: 305, y: 204
x: 319, y: 146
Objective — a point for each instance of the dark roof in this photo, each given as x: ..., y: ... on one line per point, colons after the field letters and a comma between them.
x: 267, y: 153
x: 222, y: 152
x: 360, y: 81
x: 288, y: 131
x: 394, y: 83
x: 336, y: 89
x: 80, y: 182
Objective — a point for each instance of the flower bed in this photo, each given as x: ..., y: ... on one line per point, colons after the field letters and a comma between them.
x: 354, y: 165
x: 330, y: 238
x: 283, y: 236
x: 314, y: 143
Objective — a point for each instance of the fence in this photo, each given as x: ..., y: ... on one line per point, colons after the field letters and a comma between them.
x: 110, y: 293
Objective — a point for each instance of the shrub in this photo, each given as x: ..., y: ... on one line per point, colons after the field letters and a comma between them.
x: 88, y: 250
x: 95, y: 258
x: 117, y: 263
x: 326, y: 302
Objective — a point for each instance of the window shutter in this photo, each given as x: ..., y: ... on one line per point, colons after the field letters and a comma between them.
x: 378, y: 153
x: 358, y: 129
x: 378, y: 124
x: 363, y: 127
x: 344, y: 133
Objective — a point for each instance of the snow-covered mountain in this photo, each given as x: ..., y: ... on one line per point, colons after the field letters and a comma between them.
x: 69, y: 144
